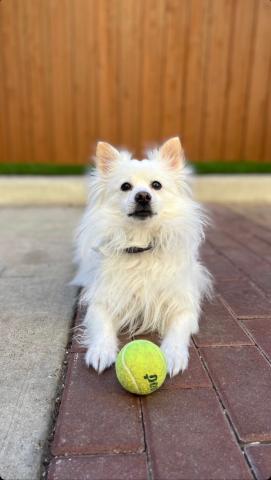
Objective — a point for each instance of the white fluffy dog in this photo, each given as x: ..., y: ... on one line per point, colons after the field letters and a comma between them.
x: 137, y: 249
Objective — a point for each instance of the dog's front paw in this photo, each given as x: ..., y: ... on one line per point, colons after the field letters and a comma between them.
x: 176, y: 356
x: 101, y: 355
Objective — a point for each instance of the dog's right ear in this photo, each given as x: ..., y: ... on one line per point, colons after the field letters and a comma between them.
x: 172, y: 152
x: 105, y: 156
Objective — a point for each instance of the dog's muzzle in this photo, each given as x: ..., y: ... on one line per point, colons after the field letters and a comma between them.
x: 143, y: 206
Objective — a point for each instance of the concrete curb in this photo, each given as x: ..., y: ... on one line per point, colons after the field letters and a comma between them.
x: 71, y: 190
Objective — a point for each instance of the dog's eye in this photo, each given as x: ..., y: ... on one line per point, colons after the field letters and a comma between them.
x: 156, y: 185
x: 126, y: 186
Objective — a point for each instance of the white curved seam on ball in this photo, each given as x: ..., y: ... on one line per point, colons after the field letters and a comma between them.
x: 127, y: 369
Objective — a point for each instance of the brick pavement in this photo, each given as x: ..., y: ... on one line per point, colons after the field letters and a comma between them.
x: 214, y: 421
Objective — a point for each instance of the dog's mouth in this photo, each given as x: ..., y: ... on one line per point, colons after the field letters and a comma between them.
x: 142, y: 213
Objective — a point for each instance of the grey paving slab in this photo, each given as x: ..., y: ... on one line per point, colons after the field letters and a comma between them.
x: 35, y: 316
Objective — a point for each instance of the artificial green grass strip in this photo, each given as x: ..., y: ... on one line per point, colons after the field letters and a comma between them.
x: 201, y: 168
x: 230, y: 167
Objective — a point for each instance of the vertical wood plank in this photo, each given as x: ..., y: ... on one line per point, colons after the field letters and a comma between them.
x: 60, y: 64
x: 267, y: 136
x: 130, y: 72
x: 153, y: 30
x: 84, y: 78
x: 24, y: 48
x: 233, y: 131
x: 196, y: 44
x: 259, y: 87
x: 4, y: 144
x: 107, y: 36
x: 174, y: 68
x: 12, y: 93
x: 36, y: 99
x: 217, y: 70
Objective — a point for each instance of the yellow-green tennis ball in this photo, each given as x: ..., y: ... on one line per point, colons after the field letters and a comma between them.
x: 141, y: 367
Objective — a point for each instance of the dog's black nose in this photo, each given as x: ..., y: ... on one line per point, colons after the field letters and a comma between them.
x: 143, y: 198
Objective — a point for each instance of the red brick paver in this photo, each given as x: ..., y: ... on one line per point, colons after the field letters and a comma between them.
x: 188, y: 437
x: 92, y: 408
x: 194, y: 377
x: 243, y: 378
x: 218, y: 327
x: 98, y: 467
x: 260, y: 330
x: 200, y: 424
x: 260, y: 459
x: 244, y: 299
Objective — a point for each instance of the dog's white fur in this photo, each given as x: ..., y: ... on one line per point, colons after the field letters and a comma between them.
x: 157, y: 290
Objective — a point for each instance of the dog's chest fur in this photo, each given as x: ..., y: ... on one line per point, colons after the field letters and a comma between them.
x: 143, y: 286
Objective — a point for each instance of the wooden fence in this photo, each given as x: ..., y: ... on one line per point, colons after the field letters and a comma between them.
x: 134, y: 72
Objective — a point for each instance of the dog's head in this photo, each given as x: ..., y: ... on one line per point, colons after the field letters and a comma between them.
x: 141, y: 190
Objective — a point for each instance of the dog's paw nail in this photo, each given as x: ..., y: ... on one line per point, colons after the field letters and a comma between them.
x: 177, y: 359
x: 100, y: 357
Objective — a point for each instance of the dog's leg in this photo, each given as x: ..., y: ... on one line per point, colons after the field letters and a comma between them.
x: 100, y: 338
x: 175, y: 344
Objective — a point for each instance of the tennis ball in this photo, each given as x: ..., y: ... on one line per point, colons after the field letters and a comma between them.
x: 141, y: 367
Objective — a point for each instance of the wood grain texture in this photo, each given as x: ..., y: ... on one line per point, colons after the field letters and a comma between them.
x: 174, y: 69
x: 84, y: 78
x: 130, y: 65
x: 151, y: 68
x: 258, y: 93
x: 197, y: 48
x: 216, y: 78
x: 239, y: 72
x: 134, y: 72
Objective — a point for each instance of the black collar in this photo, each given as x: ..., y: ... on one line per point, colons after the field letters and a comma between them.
x: 138, y: 249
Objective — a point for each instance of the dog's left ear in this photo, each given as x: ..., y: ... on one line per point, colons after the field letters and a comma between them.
x: 172, y: 152
x: 105, y: 156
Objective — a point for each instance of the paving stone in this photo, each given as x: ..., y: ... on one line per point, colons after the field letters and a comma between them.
x: 194, y: 376
x: 207, y: 249
x: 244, y: 224
x: 248, y: 237
x: 254, y: 266
x: 257, y: 215
x: 260, y: 329
x: 243, y: 378
x: 189, y: 438
x: 260, y: 460
x: 96, y: 414
x: 28, y: 392
x: 218, y: 327
x: 22, y: 298
x: 45, y: 237
x: 244, y: 299
x: 47, y: 270
x: 221, y: 268
x: 98, y: 467
x: 35, y: 313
